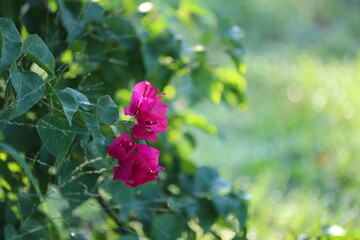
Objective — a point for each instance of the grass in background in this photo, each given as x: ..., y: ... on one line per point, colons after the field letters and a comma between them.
x: 296, y: 150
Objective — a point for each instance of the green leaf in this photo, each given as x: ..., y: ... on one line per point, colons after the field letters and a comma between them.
x: 224, y: 201
x: 93, y: 11
x: 56, y: 134
x: 231, y: 36
x: 74, y: 27
x: 106, y: 110
x: 21, y: 161
x: 224, y: 204
x: 203, y: 77
x: 53, y: 230
x: 9, y: 213
x: 91, y: 121
x: 11, y: 43
x: 11, y: 9
x: 10, y: 232
x: 30, y: 230
x: 150, y: 58
x: 101, y: 141
x: 25, y: 204
x: 145, y: 196
x: 188, y: 167
x: 190, y: 206
x: 77, y: 184
x: 29, y: 89
x: 37, y: 50
x: 221, y: 186
x: 120, y: 30
x: 123, y: 196
x: 204, y: 178
x: 165, y: 226
x: 206, y: 214
x: 80, y: 98
x: 242, y: 216
x: 149, y: 191
x: 70, y: 105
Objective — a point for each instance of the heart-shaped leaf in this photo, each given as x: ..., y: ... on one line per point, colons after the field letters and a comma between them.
x: 70, y: 105
x: 29, y: 88
x: 106, y: 110
x: 56, y: 134
x: 37, y: 50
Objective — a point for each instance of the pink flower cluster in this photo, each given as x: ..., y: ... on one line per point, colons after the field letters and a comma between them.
x: 148, y: 110
x: 138, y: 163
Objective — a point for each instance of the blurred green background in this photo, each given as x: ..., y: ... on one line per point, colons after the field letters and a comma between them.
x: 296, y: 148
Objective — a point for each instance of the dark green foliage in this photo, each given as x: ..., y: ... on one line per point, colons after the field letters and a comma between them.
x: 171, y: 231
x: 56, y: 134
x: 29, y: 89
x: 67, y: 76
x: 69, y: 104
x: 106, y: 110
x: 39, y: 53
x: 10, y: 43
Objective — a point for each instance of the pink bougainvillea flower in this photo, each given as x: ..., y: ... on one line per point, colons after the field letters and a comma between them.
x: 153, y: 105
x: 138, y: 163
x: 121, y: 147
x: 148, y: 110
x: 140, y: 167
x: 147, y: 128
x: 144, y: 97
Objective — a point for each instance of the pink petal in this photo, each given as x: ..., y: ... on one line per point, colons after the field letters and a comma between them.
x: 142, y: 173
x: 121, y: 147
x: 135, y: 103
x: 159, y: 108
x: 159, y: 127
x: 140, y: 166
x: 140, y: 132
x: 122, y: 173
x: 149, y: 154
x: 149, y: 178
x: 146, y: 89
x: 144, y: 99
x: 157, y: 168
x: 116, y: 151
x: 153, y: 106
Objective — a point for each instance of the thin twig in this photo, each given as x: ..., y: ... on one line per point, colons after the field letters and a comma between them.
x: 119, y: 222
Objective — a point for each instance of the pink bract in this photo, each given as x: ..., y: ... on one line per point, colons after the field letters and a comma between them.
x: 148, y: 110
x: 141, y: 167
x: 121, y: 147
x: 147, y: 128
x: 142, y: 91
x: 138, y: 163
